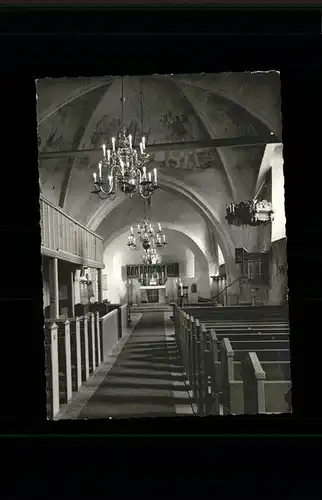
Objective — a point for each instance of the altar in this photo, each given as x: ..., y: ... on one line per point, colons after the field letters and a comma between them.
x: 153, y: 294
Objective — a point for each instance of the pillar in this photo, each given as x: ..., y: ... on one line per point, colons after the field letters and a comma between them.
x: 77, y: 287
x: 55, y: 285
x: 99, y: 286
x: 72, y: 294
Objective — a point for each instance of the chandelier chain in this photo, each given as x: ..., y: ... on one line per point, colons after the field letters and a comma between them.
x: 124, y: 166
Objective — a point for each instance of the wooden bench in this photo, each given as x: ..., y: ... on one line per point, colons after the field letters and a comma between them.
x: 73, y: 350
x: 205, y: 361
x: 240, y: 396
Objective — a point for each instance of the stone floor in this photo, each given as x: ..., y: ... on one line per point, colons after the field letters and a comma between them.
x: 146, y: 378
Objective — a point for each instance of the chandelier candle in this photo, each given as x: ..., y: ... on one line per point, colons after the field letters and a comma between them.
x: 125, y: 169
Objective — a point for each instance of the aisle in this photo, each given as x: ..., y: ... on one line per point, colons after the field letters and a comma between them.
x: 146, y: 379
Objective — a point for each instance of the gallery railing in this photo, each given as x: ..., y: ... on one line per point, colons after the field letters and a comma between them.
x: 64, y: 237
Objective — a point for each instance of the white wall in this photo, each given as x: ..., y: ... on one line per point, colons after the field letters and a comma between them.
x: 278, y: 195
x: 117, y: 255
x: 190, y: 264
x: 221, y: 259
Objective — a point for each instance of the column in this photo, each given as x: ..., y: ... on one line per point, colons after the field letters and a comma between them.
x: 99, y: 286
x: 56, y: 287
x: 72, y: 294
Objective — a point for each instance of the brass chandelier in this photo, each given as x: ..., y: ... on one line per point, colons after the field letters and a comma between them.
x: 146, y: 236
x: 150, y: 257
x: 124, y: 167
x: 249, y: 213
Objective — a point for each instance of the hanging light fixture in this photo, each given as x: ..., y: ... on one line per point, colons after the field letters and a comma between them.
x: 249, y: 213
x: 146, y: 236
x: 150, y: 257
x: 123, y: 166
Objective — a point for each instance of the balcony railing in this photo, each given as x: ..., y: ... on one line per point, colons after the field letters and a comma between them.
x: 65, y: 238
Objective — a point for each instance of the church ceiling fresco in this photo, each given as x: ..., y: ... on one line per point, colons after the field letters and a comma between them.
x: 186, y: 160
x: 177, y: 109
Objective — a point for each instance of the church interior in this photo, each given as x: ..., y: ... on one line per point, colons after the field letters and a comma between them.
x: 163, y: 242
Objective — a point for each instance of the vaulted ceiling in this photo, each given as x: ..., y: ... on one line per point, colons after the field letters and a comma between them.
x: 83, y: 113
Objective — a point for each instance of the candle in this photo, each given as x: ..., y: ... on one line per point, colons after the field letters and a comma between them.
x: 162, y: 274
x: 122, y: 166
x: 104, y: 150
x: 143, y: 143
x: 113, y: 143
x: 108, y: 155
x: 100, y: 170
x: 150, y: 176
x: 144, y: 173
x: 138, y: 227
x: 130, y: 141
x: 94, y: 177
x: 159, y: 225
x: 132, y: 230
x: 141, y: 148
x: 155, y: 175
x: 163, y: 238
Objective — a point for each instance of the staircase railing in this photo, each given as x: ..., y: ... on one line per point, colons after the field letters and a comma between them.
x: 226, y: 288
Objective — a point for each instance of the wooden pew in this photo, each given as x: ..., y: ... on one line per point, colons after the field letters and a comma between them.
x: 64, y: 357
x: 73, y: 349
x: 84, y: 348
x: 233, y: 390
x: 201, y: 354
x: 76, y: 361
x: 91, y: 342
x: 51, y: 369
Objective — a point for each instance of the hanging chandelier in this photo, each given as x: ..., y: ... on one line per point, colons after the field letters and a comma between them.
x: 150, y: 257
x: 249, y: 213
x: 124, y: 167
x: 146, y: 236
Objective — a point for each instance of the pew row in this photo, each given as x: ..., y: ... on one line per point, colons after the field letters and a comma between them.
x: 74, y: 349
x: 205, y: 363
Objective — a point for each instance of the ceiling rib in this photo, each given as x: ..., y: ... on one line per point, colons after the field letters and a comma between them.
x: 79, y: 93
x: 184, y: 89
x: 175, y: 146
x: 72, y: 162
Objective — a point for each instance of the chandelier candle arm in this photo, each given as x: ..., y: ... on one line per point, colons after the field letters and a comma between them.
x: 124, y: 166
